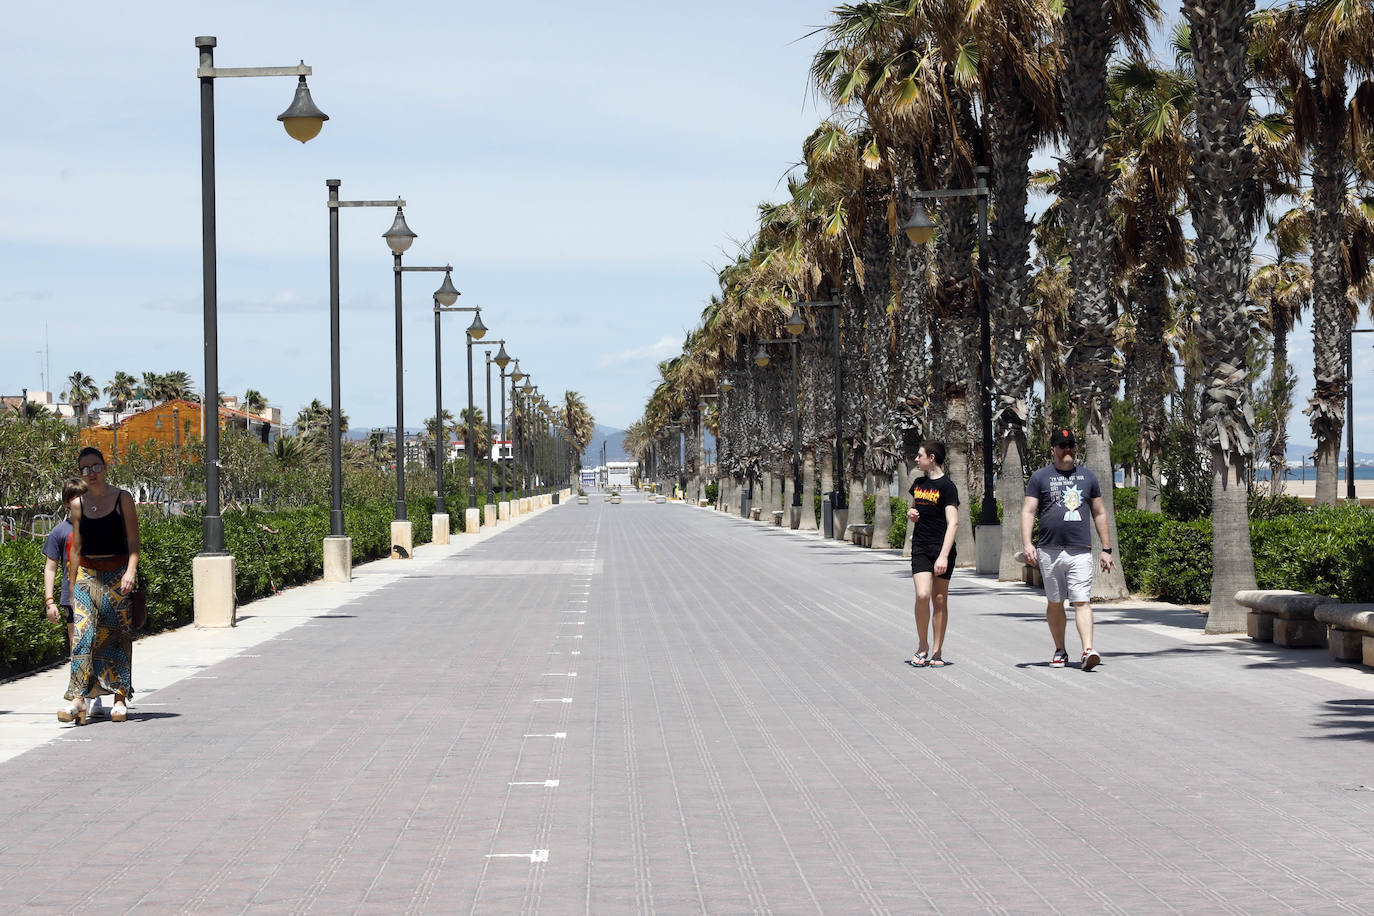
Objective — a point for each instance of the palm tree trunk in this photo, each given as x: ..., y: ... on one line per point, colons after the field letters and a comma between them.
x: 1011, y: 138
x: 882, y: 509
x: 1330, y: 317
x: 808, y: 510
x: 1223, y: 176
x: 1083, y: 185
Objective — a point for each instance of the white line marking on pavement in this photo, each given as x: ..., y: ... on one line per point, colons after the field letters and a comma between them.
x: 567, y: 637
x: 575, y: 653
x: 547, y: 784
x: 539, y: 855
x: 558, y: 700
x: 553, y: 735
x: 559, y: 674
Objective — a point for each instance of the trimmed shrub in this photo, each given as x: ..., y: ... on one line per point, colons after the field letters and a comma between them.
x: 1179, y: 566
x: 1327, y: 551
x: 896, y: 535
x: 1136, y: 532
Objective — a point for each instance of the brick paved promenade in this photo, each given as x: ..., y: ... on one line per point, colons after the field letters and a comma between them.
x: 657, y: 709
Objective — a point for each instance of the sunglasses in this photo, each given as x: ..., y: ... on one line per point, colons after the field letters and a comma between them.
x: 88, y: 469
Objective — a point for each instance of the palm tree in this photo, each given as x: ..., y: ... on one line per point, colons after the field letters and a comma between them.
x: 1310, y: 50
x: 121, y: 390
x: 433, y: 432
x: 1150, y: 110
x: 314, y: 418
x: 472, y: 428
x: 1223, y: 184
x: 580, y: 426
x: 1282, y: 291
x: 254, y: 401
x: 81, y: 391
x: 179, y: 385
x: 1089, y: 30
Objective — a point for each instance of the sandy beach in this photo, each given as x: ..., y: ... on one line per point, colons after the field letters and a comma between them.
x: 1306, y: 489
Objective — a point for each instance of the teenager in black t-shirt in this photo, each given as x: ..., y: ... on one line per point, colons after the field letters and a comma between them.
x: 934, y: 519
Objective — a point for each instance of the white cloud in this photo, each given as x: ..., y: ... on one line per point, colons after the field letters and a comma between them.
x: 659, y: 350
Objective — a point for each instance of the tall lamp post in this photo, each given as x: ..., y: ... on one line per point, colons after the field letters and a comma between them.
x: 762, y: 359
x: 529, y: 389
x: 517, y: 504
x: 213, y: 568
x: 501, y: 360
x: 920, y: 230
x: 338, y: 546
x: 1350, y: 412
x: 399, y: 239
x: 444, y: 297
x: 473, y: 519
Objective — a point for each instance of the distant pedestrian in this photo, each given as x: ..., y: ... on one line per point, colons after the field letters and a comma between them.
x: 1056, y: 495
x: 56, y: 552
x: 934, y: 517
x: 104, y: 570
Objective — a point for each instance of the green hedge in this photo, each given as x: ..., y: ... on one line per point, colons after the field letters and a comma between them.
x: 1327, y: 551
x: 272, y: 550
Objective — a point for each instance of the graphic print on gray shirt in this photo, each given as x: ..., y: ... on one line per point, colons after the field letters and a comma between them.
x: 1065, y: 510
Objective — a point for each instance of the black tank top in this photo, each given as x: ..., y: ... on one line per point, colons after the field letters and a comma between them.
x: 105, y: 536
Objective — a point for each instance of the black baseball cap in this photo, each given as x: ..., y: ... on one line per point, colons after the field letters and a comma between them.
x: 1062, y: 438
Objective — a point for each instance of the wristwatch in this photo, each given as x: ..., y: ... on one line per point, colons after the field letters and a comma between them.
x: 1106, y: 550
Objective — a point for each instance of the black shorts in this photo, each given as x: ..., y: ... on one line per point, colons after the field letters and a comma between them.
x: 67, y: 613
x: 923, y: 561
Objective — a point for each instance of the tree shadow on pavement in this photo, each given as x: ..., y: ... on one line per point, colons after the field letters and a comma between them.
x: 1348, y: 720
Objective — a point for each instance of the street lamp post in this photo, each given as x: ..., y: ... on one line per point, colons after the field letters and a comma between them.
x: 473, y: 520
x: 338, y: 547
x: 527, y: 448
x: 502, y: 360
x: 517, y: 505
x: 1350, y: 412
x: 444, y: 297
x: 919, y: 229
x: 213, y: 567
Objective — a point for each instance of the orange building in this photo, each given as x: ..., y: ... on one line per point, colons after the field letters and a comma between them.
x: 174, y: 423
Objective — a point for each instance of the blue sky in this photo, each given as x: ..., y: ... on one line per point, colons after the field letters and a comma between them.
x: 585, y: 167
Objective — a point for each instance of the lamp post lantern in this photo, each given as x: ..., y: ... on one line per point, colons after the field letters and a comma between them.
x: 213, y: 567
x: 920, y: 229
x: 338, y: 550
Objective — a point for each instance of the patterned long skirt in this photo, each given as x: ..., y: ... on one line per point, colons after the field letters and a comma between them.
x: 102, y: 658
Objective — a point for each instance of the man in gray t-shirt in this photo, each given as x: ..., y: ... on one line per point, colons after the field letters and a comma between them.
x: 1062, y: 496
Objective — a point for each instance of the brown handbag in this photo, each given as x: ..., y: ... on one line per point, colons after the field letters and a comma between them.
x: 138, y: 606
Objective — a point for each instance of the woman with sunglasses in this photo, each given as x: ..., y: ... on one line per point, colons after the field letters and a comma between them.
x: 103, y: 572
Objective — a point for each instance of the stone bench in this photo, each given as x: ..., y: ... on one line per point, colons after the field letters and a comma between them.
x: 861, y: 535
x: 755, y: 513
x: 1284, y: 617
x: 777, y: 517
x: 1351, y: 636
x: 1030, y: 575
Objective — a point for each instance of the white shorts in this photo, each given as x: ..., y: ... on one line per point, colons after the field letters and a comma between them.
x: 1068, y: 573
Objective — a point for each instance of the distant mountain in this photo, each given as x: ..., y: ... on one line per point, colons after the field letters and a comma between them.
x: 615, y: 446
